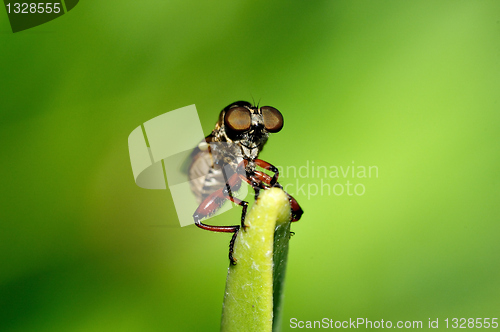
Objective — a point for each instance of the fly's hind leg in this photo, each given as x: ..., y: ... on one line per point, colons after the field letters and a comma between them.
x: 213, y: 202
x: 233, y: 184
x: 244, y: 206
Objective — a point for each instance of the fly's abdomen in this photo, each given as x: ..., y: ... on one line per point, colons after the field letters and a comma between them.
x: 204, y: 178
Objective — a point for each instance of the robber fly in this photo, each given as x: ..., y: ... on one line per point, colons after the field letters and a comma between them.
x: 228, y: 156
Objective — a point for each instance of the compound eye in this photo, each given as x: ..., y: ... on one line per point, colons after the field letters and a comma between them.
x: 273, y: 120
x: 238, y: 119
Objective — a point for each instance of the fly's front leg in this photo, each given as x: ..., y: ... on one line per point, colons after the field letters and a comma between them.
x: 256, y: 185
x: 248, y: 177
x: 254, y: 182
x: 269, y: 167
x: 296, y: 209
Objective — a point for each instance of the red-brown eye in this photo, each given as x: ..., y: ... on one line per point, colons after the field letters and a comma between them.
x: 273, y: 120
x: 238, y: 119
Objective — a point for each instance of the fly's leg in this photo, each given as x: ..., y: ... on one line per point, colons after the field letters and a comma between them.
x: 258, y: 180
x: 256, y: 185
x: 297, y: 211
x: 257, y: 192
x: 244, y: 206
x: 248, y: 177
x: 269, y: 167
x: 213, y: 202
x: 231, y: 248
x: 263, y: 178
x: 233, y: 183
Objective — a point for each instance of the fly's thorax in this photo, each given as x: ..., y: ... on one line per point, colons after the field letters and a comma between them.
x: 226, y: 151
x: 251, y: 153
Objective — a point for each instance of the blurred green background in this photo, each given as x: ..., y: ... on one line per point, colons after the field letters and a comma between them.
x: 409, y: 87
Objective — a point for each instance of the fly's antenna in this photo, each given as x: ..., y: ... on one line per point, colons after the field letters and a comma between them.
x: 259, y: 102
x: 253, y: 100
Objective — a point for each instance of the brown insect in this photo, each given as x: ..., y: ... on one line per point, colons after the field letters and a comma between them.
x: 229, y: 157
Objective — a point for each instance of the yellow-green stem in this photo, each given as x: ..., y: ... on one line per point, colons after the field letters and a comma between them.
x: 254, y: 286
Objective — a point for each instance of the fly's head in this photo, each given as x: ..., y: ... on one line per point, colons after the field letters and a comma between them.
x: 247, y: 127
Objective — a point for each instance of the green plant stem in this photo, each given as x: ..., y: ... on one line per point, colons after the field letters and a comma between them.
x: 253, y: 296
